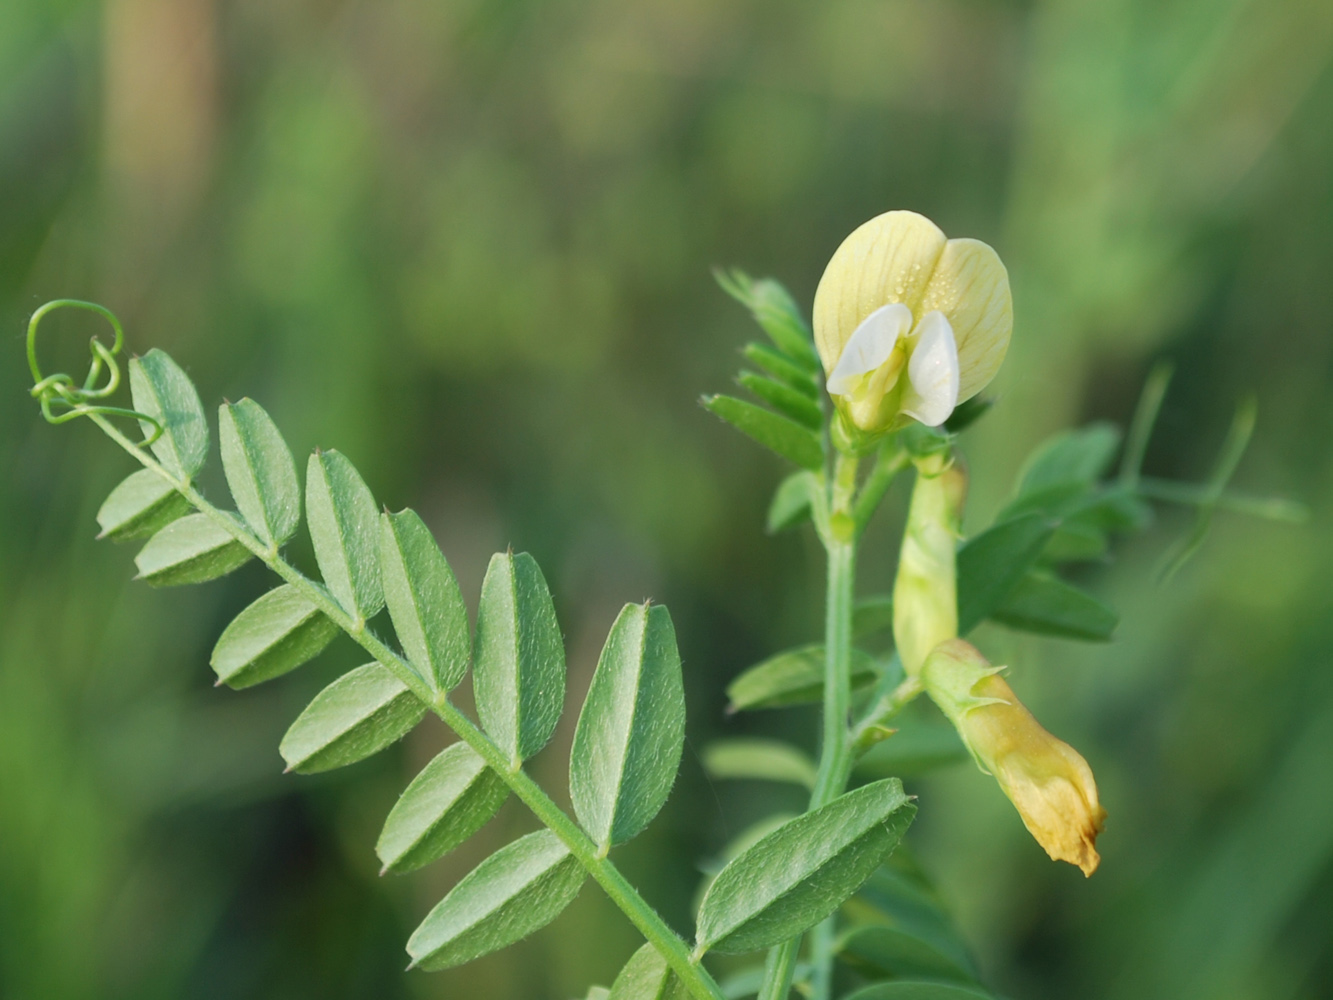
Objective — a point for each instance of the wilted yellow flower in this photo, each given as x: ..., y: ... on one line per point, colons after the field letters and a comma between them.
x: 899, y: 297
x: 1047, y: 780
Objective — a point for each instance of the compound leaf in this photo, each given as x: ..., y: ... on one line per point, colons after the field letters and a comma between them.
x: 260, y: 471
x: 143, y: 504
x: 424, y: 600
x: 519, y: 680
x: 275, y: 634
x: 630, y: 733
x: 1047, y: 605
x: 450, y: 800
x: 192, y: 549
x: 772, y: 430
x: 162, y: 390
x: 800, y: 873
x: 793, y: 677
x: 359, y: 714
x: 646, y: 976
x: 517, y: 890
x: 344, y: 527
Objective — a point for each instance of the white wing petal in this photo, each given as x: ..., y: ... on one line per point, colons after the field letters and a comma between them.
x: 932, y: 373
x: 870, y: 345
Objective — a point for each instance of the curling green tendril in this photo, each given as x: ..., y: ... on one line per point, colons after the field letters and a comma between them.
x: 61, y: 390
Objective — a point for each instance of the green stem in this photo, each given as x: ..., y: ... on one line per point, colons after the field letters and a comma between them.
x: 672, y: 948
x: 835, y: 754
x: 1269, y: 508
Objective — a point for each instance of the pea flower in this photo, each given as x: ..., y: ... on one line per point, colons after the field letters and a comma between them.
x: 909, y: 323
x: 1047, y: 780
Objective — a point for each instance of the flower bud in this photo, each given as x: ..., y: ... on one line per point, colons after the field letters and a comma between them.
x: 908, y: 323
x: 925, y: 594
x: 1047, y: 780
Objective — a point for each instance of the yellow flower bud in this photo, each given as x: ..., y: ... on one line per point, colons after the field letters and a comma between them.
x: 909, y: 323
x: 1047, y: 780
x: 925, y: 594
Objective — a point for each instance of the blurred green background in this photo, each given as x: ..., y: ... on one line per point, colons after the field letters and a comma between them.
x: 469, y: 244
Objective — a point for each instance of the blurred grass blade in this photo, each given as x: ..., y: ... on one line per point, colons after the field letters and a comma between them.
x: 774, y: 431
x: 1145, y: 419
x: 762, y: 759
x: 451, y: 799
x: 802, y: 872
x: 632, y: 727
x: 1045, y: 604
x: 793, y: 677
x: 1237, y: 440
x: 991, y: 564
x: 784, y: 399
x: 792, y: 501
x: 164, y: 392
x: 277, y: 633
x: 424, y: 600
x: 344, y: 528
x: 143, y: 504
x: 519, y: 674
x: 192, y: 549
x: 359, y: 714
x: 646, y: 976
x: 260, y: 471
x: 519, y: 889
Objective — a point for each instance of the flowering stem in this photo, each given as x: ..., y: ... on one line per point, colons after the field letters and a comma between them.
x: 669, y: 945
x: 836, y: 753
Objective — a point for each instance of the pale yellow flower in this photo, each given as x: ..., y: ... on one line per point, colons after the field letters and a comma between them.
x: 1047, y: 780
x: 909, y: 323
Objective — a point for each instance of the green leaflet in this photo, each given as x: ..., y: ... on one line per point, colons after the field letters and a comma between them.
x: 1047, y: 605
x: 800, y: 873
x: 163, y: 391
x: 519, y: 673
x: 646, y: 976
x: 450, y: 800
x: 782, y: 368
x: 786, y: 400
x: 630, y: 733
x: 776, y: 311
x: 922, y: 741
x: 774, y: 431
x: 991, y: 564
x: 1081, y: 456
x: 424, y: 600
x: 904, y: 990
x: 189, y: 550
x: 519, y: 889
x: 143, y: 504
x: 277, y: 633
x: 892, y: 952
x: 793, y: 677
x: 260, y: 471
x: 792, y: 501
x: 344, y: 527
x: 753, y: 757
x: 898, y: 895
x: 359, y: 714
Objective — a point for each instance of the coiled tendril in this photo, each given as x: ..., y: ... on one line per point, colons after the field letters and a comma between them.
x: 61, y: 390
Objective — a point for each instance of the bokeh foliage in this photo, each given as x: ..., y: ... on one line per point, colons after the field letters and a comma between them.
x: 469, y: 245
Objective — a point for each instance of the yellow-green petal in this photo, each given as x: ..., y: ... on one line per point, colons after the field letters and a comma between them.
x: 888, y: 259
x: 971, y: 287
